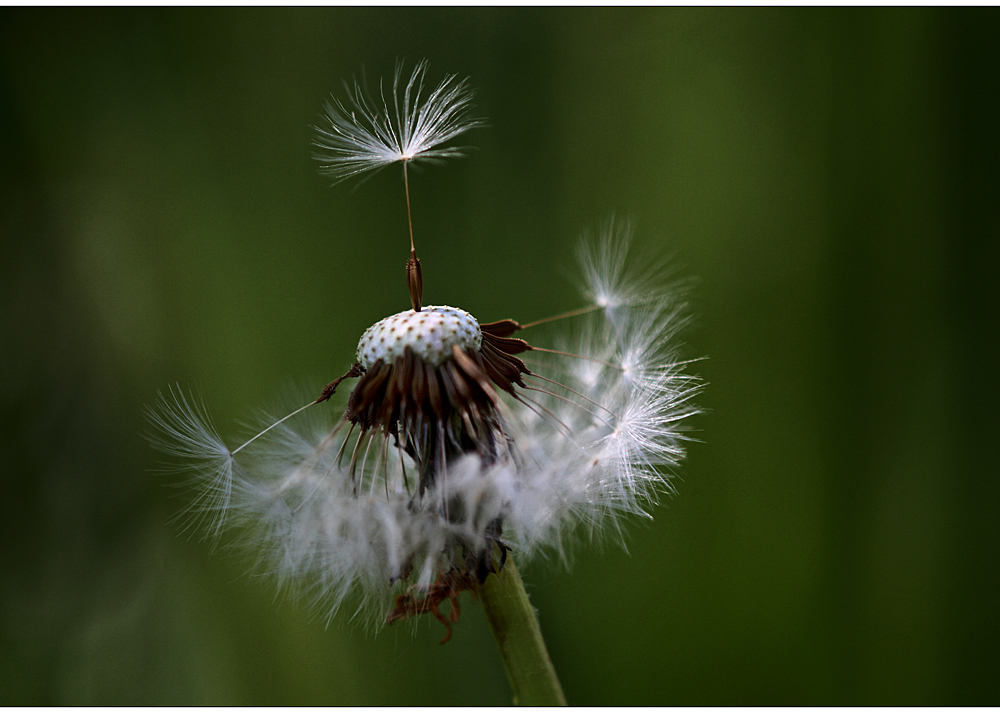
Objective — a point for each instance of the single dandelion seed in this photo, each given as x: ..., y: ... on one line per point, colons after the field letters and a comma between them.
x: 461, y: 441
x: 411, y: 131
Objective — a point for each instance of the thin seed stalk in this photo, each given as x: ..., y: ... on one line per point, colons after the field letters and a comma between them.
x: 515, y: 628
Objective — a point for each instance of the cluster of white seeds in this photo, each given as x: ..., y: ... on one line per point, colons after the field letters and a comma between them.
x: 431, y: 333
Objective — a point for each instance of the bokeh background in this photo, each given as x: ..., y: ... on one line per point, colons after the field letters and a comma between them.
x: 830, y: 178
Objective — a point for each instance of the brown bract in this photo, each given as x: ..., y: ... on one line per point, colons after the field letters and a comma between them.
x: 439, y: 413
x: 447, y: 587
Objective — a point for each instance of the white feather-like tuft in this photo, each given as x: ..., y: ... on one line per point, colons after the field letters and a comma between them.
x: 366, y: 134
x: 184, y: 430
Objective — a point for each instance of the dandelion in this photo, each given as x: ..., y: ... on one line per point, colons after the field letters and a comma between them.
x: 461, y: 444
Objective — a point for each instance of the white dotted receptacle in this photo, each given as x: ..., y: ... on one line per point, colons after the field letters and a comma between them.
x: 431, y: 333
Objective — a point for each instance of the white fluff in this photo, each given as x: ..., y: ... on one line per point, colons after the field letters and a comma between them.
x: 367, y: 134
x: 589, y: 453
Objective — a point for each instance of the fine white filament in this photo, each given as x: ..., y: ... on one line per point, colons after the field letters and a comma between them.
x: 368, y: 133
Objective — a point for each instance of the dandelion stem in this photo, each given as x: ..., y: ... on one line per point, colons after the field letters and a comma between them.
x: 515, y: 628
x: 409, y: 215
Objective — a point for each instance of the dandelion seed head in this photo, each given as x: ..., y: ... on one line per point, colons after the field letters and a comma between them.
x: 439, y: 458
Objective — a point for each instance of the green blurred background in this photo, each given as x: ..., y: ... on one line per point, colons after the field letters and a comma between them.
x: 831, y: 179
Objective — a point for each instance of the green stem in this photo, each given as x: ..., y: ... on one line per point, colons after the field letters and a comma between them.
x: 515, y: 627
